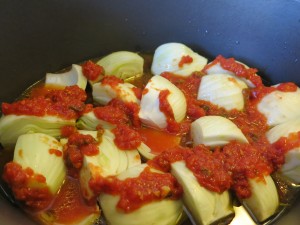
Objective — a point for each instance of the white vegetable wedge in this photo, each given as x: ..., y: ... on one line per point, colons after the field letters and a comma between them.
x: 205, y: 206
x: 241, y: 217
x: 122, y: 64
x: 168, y: 56
x: 12, y: 126
x: 291, y: 167
x: 215, y: 131
x: 72, y: 77
x: 145, y: 151
x: 89, y: 121
x: 164, y: 212
x: 279, y: 107
x: 105, y: 163
x: 150, y: 113
x: 264, y: 199
x: 109, y: 161
x: 223, y: 90
x: 34, y: 151
x: 128, y: 158
x: 103, y: 93
x: 218, y: 69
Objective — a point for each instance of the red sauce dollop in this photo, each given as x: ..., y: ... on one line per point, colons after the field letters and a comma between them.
x: 67, y: 104
x: 126, y: 138
x: 111, y: 114
x: 135, y: 192
x: 288, y: 143
x: 92, y: 71
x: 186, y: 59
x: 19, y: 179
x: 237, y: 68
x: 79, y: 145
x: 112, y: 81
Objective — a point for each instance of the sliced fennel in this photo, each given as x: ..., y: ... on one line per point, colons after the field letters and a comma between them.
x: 105, y: 163
x: 132, y: 156
x: 72, y: 77
x: 218, y: 69
x: 264, y: 199
x: 122, y: 64
x: 164, y: 212
x: 89, y: 121
x: 205, y: 206
x: 150, y: 113
x: 279, y: 107
x: 104, y: 93
x: 145, y: 151
x: 49, y: 219
x: 291, y: 167
x: 215, y: 131
x: 241, y: 217
x: 12, y: 126
x: 109, y: 161
x: 34, y: 151
x: 223, y: 90
x: 167, y: 57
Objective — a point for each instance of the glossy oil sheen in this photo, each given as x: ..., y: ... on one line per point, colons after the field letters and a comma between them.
x: 45, y: 36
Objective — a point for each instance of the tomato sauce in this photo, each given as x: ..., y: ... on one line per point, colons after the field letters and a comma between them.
x: 288, y: 143
x: 79, y: 145
x: 112, y: 81
x: 130, y: 109
x: 55, y: 152
x: 67, y: 104
x: 186, y: 59
x: 237, y: 68
x: 28, y: 187
x: 111, y: 114
x: 158, y: 141
x: 135, y: 192
x: 92, y: 71
x: 69, y: 206
x: 126, y: 138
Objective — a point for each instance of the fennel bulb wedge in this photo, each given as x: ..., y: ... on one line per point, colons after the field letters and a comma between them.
x: 104, y: 93
x: 264, y: 199
x: 122, y: 64
x: 215, y: 131
x: 40, y: 152
x: 279, y: 107
x: 160, y: 212
x: 290, y: 131
x: 12, y: 126
x: 223, y: 90
x: 167, y: 58
x: 205, y: 206
x: 150, y: 112
x: 69, y: 78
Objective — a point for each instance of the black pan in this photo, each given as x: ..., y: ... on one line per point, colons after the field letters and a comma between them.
x: 45, y: 36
